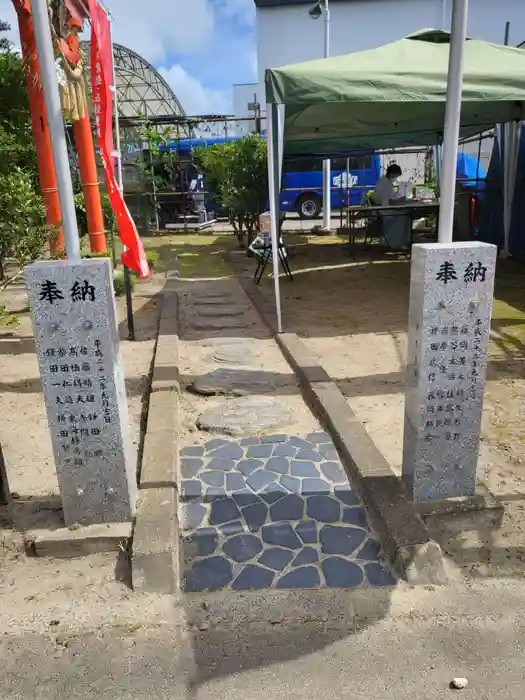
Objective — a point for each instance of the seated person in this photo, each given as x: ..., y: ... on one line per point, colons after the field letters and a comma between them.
x: 397, y: 226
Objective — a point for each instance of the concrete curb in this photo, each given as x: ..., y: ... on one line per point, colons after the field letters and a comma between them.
x: 406, y: 539
x: 66, y: 543
x: 154, y: 560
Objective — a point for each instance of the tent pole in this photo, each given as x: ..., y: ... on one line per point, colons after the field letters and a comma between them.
x: 272, y: 126
x: 452, y: 120
x: 327, y: 175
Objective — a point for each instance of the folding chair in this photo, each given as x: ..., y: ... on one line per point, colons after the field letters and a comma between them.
x: 374, y: 226
x: 265, y: 257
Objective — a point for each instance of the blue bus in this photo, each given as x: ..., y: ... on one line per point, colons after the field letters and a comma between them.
x: 302, y: 178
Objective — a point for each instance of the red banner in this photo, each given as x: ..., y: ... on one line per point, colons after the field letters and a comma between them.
x: 101, y: 81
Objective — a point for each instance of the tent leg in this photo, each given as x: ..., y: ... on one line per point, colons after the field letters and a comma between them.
x: 274, y: 186
x: 452, y: 120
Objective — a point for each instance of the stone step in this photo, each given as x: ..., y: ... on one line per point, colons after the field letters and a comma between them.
x: 273, y: 512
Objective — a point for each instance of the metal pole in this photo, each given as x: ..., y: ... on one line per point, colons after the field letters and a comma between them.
x: 118, y: 156
x: 56, y: 127
x: 272, y: 125
x: 327, y: 179
x: 452, y: 120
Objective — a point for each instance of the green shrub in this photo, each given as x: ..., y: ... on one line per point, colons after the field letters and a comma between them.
x: 153, y: 257
x: 119, y: 283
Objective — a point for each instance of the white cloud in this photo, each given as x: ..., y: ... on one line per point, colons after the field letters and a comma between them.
x: 158, y: 27
x: 194, y: 97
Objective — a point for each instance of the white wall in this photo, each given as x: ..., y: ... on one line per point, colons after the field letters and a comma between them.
x: 243, y: 94
x: 288, y: 34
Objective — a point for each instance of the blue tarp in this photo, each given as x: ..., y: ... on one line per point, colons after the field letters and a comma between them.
x: 491, y: 215
x: 467, y: 170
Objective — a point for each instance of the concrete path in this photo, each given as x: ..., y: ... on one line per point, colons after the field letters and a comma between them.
x: 400, y: 645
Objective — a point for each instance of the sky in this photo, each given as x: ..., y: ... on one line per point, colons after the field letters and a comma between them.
x: 201, y: 47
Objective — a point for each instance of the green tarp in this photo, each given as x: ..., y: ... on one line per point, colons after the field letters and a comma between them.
x: 394, y: 95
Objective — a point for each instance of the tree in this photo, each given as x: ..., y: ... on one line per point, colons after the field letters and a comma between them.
x: 237, y: 173
x: 23, y: 232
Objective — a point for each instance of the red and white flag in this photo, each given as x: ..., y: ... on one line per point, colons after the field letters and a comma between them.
x: 101, y: 81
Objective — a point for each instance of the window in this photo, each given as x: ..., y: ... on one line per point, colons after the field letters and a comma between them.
x: 312, y: 165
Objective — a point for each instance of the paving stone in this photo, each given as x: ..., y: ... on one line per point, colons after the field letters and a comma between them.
x: 230, y: 529
x: 259, y: 451
x: 273, y: 492
x: 210, y: 574
x: 300, y: 442
x: 247, y: 466
x: 307, y: 469
x: 355, y: 516
x: 278, y: 464
x: 307, y: 555
x: 305, y: 577
x: 370, y: 551
x: 346, y: 495
x: 334, y: 472
x: 190, y: 467
x: 260, y: 478
x: 242, y: 548
x: 284, y: 450
x: 341, y: 540
x: 191, y: 488
x: 192, y: 451
x: 210, y: 295
x: 206, y: 540
x: 324, y: 509
x: 192, y: 515
x: 246, y: 497
x: 235, y: 482
x: 235, y: 354
x: 281, y: 534
x: 215, y: 478
x: 276, y: 558
x: 250, y: 414
x: 328, y: 452
x: 312, y: 486
x: 217, y: 311
x: 307, y: 531
x: 319, y: 438
x: 232, y: 382
x: 310, y: 455
x: 231, y: 451
x: 250, y: 441
x: 216, y: 324
x: 214, y: 493
x: 221, y: 463
x: 253, y: 577
x: 377, y: 575
x: 290, y: 507
x: 223, y: 511
x: 216, y: 443
x: 340, y: 573
x: 291, y: 483
x: 273, y: 439
x: 255, y: 515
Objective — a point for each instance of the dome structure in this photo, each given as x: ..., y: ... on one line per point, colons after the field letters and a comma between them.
x: 141, y: 90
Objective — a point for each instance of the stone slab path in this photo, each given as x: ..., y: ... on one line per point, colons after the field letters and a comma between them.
x: 264, y: 500
x: 273, y: 512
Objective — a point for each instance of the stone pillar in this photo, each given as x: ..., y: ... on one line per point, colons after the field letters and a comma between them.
x: 76, y: 335
x: 451, y: 291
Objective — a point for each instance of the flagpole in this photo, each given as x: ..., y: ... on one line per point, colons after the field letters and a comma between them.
x: 118, y: 161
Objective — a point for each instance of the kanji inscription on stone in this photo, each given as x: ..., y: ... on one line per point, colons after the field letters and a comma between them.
x: 76, y: 336
x: 451, y: 292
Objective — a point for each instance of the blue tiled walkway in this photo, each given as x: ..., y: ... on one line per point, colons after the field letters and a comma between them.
x: 273, y: 512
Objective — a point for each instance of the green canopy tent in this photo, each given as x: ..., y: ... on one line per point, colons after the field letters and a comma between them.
x: 387, y: 97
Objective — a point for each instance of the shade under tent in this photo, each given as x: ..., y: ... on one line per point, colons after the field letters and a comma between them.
x: 331, y: 106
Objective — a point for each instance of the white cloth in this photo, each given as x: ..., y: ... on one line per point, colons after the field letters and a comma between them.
x: 384, y: 191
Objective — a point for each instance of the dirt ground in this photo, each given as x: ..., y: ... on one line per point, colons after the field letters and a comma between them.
x: 353, y: 316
